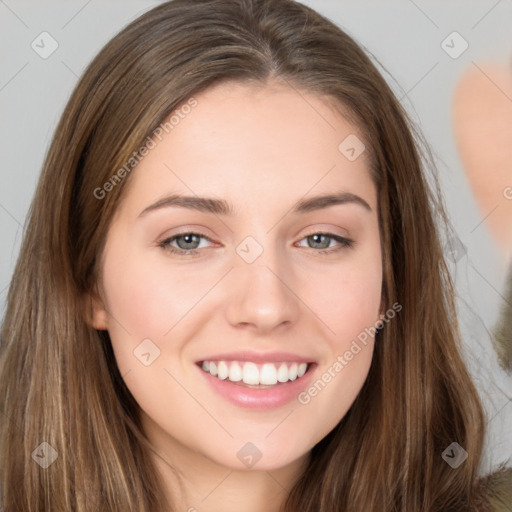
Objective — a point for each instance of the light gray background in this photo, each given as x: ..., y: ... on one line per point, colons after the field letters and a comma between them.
x: 404, y: 35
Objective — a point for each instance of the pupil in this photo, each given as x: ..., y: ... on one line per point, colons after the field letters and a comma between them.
x: 317, y: 240
x: 188, y: 239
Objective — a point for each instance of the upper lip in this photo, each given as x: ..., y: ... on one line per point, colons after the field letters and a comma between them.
x: 258, y: 357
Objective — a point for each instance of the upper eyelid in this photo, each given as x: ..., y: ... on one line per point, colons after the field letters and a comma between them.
x: 309, y: 233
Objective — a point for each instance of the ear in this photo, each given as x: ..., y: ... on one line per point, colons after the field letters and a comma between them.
x: 96, y: 312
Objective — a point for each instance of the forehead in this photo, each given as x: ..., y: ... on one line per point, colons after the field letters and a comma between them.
x: 259, y: 142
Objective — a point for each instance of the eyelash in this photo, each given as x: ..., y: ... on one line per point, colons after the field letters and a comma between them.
x: 344, y: 243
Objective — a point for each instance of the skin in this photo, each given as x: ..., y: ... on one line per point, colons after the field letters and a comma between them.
x: 262, y: 149
x: 482, y: 116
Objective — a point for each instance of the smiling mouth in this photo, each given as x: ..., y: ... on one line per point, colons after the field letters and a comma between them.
x: 254, y: 375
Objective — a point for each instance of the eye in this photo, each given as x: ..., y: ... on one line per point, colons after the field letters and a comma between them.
x: 186, y: 243
x: 189, y: 243
x: 322, y: 242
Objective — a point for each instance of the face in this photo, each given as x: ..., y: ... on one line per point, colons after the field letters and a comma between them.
x: 237, y: 295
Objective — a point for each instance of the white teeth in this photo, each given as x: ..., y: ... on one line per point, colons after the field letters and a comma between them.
x: 251, y: 374
x: 268, y: 374
x: 235, y: 372
x: 282, y: 373
x: 222, y: 370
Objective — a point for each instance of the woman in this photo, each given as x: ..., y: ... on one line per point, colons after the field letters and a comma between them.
x: 237, y: 299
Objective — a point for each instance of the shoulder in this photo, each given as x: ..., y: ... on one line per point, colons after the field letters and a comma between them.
x: 496, y: 488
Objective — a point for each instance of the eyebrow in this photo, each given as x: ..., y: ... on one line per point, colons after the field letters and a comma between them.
x: 222, y: 207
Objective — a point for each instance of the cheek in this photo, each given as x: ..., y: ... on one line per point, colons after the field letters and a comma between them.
x: 346, y: 299
x: 353, y: 315
x: 137, y: 309
x: 350, y: 307
x: 146, y: 299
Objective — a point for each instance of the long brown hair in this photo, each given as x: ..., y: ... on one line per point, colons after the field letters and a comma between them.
x: 59, y: 380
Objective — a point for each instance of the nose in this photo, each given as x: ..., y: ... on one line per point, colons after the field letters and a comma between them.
x: 262, y: 297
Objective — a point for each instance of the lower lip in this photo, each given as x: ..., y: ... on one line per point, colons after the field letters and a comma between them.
x: 260, y: 398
